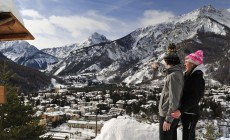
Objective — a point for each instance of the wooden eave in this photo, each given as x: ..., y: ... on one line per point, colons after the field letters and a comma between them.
x: 12, y: 29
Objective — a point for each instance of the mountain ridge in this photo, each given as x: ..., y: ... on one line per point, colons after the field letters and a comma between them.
x: 127, y: 59
x: 62, y: 52
x: 25, y: 54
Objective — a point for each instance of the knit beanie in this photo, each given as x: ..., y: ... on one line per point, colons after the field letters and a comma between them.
x: 171, y: 53
x: 195, y: 58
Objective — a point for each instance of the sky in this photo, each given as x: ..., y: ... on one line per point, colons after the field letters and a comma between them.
x: 55, y: 23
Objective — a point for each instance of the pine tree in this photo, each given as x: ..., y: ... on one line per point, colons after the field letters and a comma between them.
x: 211, y: 134
x: 17, y: 121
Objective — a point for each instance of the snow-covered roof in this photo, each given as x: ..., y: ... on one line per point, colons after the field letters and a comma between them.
x: 11, y: 23
x: 9, y: 6
x: 55, y: 113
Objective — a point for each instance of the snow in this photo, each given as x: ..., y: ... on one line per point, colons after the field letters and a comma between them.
x: 224, y: 138
x: 95, y: 38
x: 126, y: 128
x: 214, y: 82
x: 9, y: 6
x: 187, y: 17
x: 16, y: 49
x: 23, y: 53
x: 55, y: 84
x: 60, y: 69
x: 112, y: 55
x: 77, y: 133
x: 93, y: 67
x: 214, y: 27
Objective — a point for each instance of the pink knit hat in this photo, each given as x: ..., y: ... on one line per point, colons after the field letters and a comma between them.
x: 195, y: 58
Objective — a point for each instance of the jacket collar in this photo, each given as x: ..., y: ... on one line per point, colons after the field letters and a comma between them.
x: 199, y: 67
x: 174, y: 68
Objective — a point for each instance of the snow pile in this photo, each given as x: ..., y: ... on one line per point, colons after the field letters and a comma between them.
x: 55, y: 84
x: 126, y: 128
x: 9, y: 6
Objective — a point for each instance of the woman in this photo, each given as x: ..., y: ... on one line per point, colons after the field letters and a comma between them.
x: 171, y: 94
x: 193, y: 91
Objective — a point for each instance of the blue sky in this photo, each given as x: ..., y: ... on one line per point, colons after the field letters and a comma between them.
x: 56, y: 23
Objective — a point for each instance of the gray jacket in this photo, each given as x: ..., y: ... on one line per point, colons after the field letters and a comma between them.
x: 172, y: 92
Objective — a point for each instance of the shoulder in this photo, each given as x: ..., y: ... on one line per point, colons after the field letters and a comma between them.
x: 176, y: 73
x: 197, y: 77
x: 198, y: 74
x: 176, y: 76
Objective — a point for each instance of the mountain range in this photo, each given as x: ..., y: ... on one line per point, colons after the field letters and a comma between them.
x: 64, y: 51
x: 128, y: 59
x: 25, y: 54
x: 28, y: 80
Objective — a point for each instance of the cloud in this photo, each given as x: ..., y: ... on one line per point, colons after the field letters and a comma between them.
x: 90, y: 22
x: 78, y: 24
x: 55, y: 31
x: 40, y: 26
x: 153, y: 17
x: 31, y: 14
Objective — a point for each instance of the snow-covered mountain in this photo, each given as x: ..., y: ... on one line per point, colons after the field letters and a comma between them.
x: 128, y: 59
x: 25, y: 54
x: 95, y: 38
x: 62, y: 52
x: 28, y: 79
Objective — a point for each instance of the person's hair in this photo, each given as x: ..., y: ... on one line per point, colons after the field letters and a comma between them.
x: 172, y: 61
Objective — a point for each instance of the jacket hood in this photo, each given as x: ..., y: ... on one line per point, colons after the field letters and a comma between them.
x: 199, y: 67
x: 174, y: 68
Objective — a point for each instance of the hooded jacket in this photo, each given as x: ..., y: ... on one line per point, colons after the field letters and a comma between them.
x: 193, y: 91
x: 171, y: 92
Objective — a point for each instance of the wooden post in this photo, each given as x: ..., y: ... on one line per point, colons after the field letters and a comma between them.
x: 96, y: 123
x: 2, y: 95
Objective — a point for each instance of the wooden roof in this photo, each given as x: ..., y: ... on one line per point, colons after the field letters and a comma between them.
x: 12, y: 29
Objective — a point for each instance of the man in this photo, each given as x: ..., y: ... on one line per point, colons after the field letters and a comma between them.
x: 171, y: 94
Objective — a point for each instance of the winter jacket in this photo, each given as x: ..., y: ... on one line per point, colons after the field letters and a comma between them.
x: 171, y: 92
x: 193, y: 91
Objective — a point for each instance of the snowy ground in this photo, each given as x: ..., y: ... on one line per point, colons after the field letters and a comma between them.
x: 73, y: 133
x: 124, y: 128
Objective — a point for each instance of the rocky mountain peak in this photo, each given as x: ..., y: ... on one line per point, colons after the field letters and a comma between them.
x: 209, y: 11
x: 95, y: 38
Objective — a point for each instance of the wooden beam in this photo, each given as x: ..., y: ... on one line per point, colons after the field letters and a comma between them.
x: 12, y: 29
x: 7, y: 22
x: 13, y: 36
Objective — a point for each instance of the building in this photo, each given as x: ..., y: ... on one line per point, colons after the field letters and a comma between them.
x: 86, y: 124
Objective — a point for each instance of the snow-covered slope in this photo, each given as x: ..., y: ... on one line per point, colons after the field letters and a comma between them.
x: 128, y: 59
x: 60, y: 52
x: 25, y: 54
